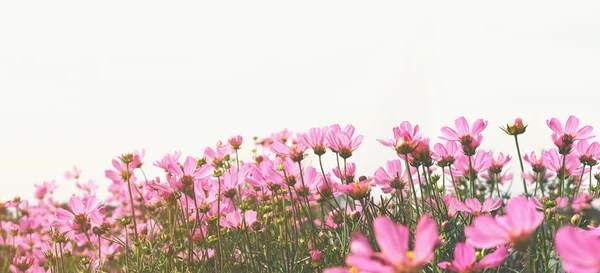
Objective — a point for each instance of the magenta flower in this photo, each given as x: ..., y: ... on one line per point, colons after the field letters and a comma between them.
x: 465, y: 259
x: 579, y: 249
x: 393, y: 241
x: 474, y: 207
x: 469, y: 138
x: 405, y: 139
x: 520, y: 221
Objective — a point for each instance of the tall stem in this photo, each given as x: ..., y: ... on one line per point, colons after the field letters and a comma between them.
x: 521, y: 164
x: 562, y: 177
x: 131, y: 200
x: 472, y: 179
x: 412, y: 185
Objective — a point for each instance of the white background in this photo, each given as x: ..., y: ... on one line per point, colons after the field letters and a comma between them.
x: 82, y: 82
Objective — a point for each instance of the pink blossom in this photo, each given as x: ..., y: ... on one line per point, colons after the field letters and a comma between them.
x: 571, y: 131
x: 553, y: 161
x: 469, y: 138
x: 579, y: 249
x: 393, y: 177
x: 236, y: 142
x: 445, y: 155
x: 84, y: 214
x: 475, y: 208
x: 393, y: 241
x: 465, y: 259
x: 405, y: 139
x: 294, y: 152
x: 480, y: 162
x: 316, y: 139
x: 343, y: 142
x: 588, y: 153
x: 520, y: 221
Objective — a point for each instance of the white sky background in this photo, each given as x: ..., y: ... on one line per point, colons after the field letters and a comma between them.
x: 82, y: 82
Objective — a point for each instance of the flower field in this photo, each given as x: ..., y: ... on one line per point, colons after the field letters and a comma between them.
x: 445, y: 206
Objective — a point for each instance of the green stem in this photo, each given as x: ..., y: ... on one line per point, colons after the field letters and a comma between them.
x: 521, y: 164
x: 412, y: 185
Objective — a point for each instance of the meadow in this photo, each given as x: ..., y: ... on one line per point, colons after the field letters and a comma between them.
x: 442, y: 205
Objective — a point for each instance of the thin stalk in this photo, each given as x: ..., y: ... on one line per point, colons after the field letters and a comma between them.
x: 131, y: 200
x: 521, y: 164
x: 412, y: 185
x: 472, y: 179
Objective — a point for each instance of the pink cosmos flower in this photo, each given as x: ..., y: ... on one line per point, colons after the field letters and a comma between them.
x: 469, y: 138
x: 316, y: 139
x: 475, y: 208
x: 236, y: 220
x: 85, y: 213
x: 294, y: 152
x: 358, y: 189
x: 520, y: 221
x: 393, y: 177
x: 571, y: 132
x: 44, y: 189
x: 343, y: 142
x: 393, y: 241
x: 537, y: 164
x: 579, y: 249
x: 588, y: 153
x: 553, y: 161
x: 74, y: 174
x: 465, y: 259
x: 480, y: 162
x: 501, y: 178
x: 348, y: 176
x: 236, y: 142
x: 168, y: 158
x: 405, y: 139
x: 187, y: 174
x: 445, y: 155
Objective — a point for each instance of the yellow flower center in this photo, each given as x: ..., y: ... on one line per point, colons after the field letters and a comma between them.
x: 410, y: 255
x: 353, y: 269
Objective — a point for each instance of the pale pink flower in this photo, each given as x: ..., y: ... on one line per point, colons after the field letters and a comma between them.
x: 465, y: 259
x: 571, y: 131
x: 343, y: 142
x: 579, y: 249
x: 469, y: 138
x: 84, y: 214
x: 316, y: 139
x: 405, y: 138
x: 294, y: 152
x: 520, y: 221
x: 445, y: 155
x: 393, y: 177
x: 553, y: 161
x: 393, y: 241
x: 475, y: 208
x: 480, y: 162
x: 588, y: 153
